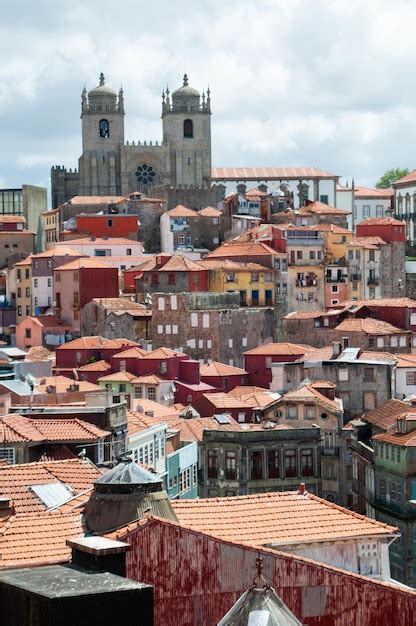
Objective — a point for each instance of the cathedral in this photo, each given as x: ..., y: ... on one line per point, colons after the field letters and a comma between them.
x: 111, y: 166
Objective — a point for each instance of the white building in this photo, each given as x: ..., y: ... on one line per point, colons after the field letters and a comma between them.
x: 108, y: 247
x: 305, y: 183
x: 148, y: 446
x: 405, y: 203
x: 371, y: 203
x: 405, y: 375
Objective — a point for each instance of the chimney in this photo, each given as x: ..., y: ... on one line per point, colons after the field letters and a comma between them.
x: 302, y: 489
x: 100, y: 554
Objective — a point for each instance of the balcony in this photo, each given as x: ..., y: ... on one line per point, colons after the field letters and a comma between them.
x: 307, y: 282
x: 373, y: 280
x: 355, y: 277
x: 335, y: 279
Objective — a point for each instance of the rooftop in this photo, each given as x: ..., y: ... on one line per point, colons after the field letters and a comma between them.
x: 39, y: 538
x: 279, y: 349
x: 368, y: 192
x: 320, y: 208
x: 210, y: 211
x: 215, y: 368
x: 267, y: 173
x: 18, y: 429
x: 385, y: 416
x: 16, y: 480
x: 281, y: 518
x: 97, y: 199
x: 181, y: 211
x: 82, y: 263
x: 369, y: 326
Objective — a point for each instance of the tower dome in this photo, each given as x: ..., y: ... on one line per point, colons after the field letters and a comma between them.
x: 185, y: 91
x: 102, y: 95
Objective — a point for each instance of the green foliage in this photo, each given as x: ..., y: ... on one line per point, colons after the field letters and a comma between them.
x: 390, y: 177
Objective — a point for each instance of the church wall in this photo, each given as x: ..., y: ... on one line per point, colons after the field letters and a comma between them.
x: 132, y: 157
x: 192, y: 196
x: 191, y: 157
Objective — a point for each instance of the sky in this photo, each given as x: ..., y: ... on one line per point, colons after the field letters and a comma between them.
x: 326, y: 84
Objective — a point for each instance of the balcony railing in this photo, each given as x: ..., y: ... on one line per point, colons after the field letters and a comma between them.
x: 355, y: 277
x: 373, y: 280
x: 307, y: 282
x: 335, y: 279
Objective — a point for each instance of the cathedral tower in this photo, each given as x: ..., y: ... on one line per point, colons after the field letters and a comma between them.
x: 187, y: 133
x: 102, y: 115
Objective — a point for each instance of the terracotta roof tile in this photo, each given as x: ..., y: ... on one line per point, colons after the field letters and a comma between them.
x: 267, y: 173
x: 406, y: 440
x: 243, y: 390
x: 381, y: 221
x: 181, y: 211
x: 38, y: 538
x: 179, y: 263
x: 369, y: 326
x: 385, y: 416
x: 232, y: 266
x: 281, y: 518
x: 97, y: 199
x: 224, y: 401
x: 406, y: 360
x: 368, y: 192
x: 62, y: 384
x: 15, y: 480
x: 162, y: 353
x: 210, y: 211
x: 249, y: 248
x: 277, y: 349
x: 409, y: 178
x: 123, y: 377
x: 78, y: 264
x: 215, y: 368
x: 151, y: 379
x: 320, y: 208
x: 308, y: 393
x: 94, y: 342
x: 131, y: 353
x: 58, y: 252
x: 97, y: 366
x: 380, y: 302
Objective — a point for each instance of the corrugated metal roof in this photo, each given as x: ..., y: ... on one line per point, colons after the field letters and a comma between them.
x: 53, y: 494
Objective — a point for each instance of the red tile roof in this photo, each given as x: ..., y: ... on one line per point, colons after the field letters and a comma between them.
x: 268, y: 173
x: 59, y: 251
x: 232, y: 266
x: 132, y: 353
x: 369, y: 326
x: 15, y: 480
x: 406, y: 440
x: 406, y: 360
x: 224, y: 401
x: 181, y: 211
x: 97, y: 366
x: 123, y: 377
x: 97, y: 199
x: 385, y: 416
x: 179, y: 263
x: 78, y: 264
x: 278, y: 518
x: 94, y: 342
x: 210, y: 211
x: 368, y: 192
x: 279, y: 349
x: 162, y: 353
x: 382, y: 221
x: 409, y: 178
x: 12, y: 219
x: 309, y: 393
x: 38, y: 538
x: 320, y: 208
x: 220, y: 369
x: 383, y: 302
x: 249, y: 248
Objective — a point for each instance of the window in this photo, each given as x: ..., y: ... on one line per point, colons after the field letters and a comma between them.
x: 290, y: 464
x: 35, y: 282
x: 230, y: 466
x: 151, y: 393
x: 122, y: 367
x: 310, y: 412
x: 122, y: 388
x: 19, y: 292
x: 76, y: 277
x: 49, y: 282
x: 155, y: 279
x: 28, y: 333
x: 138, y: 393
x: 371, y: 255
x: 57, y: 277
x: 194, y: 320
x: 19, y: 311
x: 109, y: 223
x: 128, y: 252
x: 195, y: 278
x: 323, y: 199
x: 299, y: 254
x: 379, y: 210
x: 343, y: 374
x: 8, y: 454
x: 104, y: 128
x: 171, y: 279
x: 306, y: 461
x: 369, y: 400
x: 369, y: 374
x: 163, y: 367
x: 410, y: 378
x: 366, y: 211
x: 256, y: 465
x: 188, y: 129
x: 273, y: 463
x: 312, y: 254
x: 212, y: 463
x: 292, y: 411
x: 27, y: 292
x: 254, y: 277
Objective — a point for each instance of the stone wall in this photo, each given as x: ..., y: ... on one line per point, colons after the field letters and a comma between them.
x: 392, y: 270
x: 190, y: 196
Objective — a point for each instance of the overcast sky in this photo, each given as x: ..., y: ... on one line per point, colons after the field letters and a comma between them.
x: 323, y: 83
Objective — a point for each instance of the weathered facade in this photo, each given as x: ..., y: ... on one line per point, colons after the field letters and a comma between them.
x: 209, y: 325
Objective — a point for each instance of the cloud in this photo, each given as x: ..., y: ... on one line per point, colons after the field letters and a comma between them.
x: 325, y: 84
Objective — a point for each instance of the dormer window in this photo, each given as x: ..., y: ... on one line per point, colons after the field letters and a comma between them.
x: 104, y: 128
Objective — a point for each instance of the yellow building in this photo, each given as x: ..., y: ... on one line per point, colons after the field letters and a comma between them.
x: 336, y: 240
x: 51, y: 228
x: 255, y: 283
x: 20, y: 281
x: 363, y: 260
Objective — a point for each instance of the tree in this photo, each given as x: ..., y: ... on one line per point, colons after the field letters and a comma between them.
x: 390, y: 177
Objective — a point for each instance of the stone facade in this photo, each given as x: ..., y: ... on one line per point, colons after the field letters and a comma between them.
x: 188, y: 195
x: 209, y: 326
x: 239, y: 463
x: 128, y: 320
x: 109, y: 165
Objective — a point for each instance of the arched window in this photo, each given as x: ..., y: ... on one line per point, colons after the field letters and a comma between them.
x: 188, y: 129
x: 104, y: 128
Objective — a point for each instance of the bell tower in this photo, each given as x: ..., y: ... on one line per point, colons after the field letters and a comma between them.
x: 187, y: 134
x: 102, y: 118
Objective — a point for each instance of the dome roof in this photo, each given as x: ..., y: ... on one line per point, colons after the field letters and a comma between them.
x: 102, y: 89
x: 185, y: 91
x: 128, y: 473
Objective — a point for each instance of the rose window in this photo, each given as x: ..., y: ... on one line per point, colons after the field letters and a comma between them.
x: 145, y: 174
